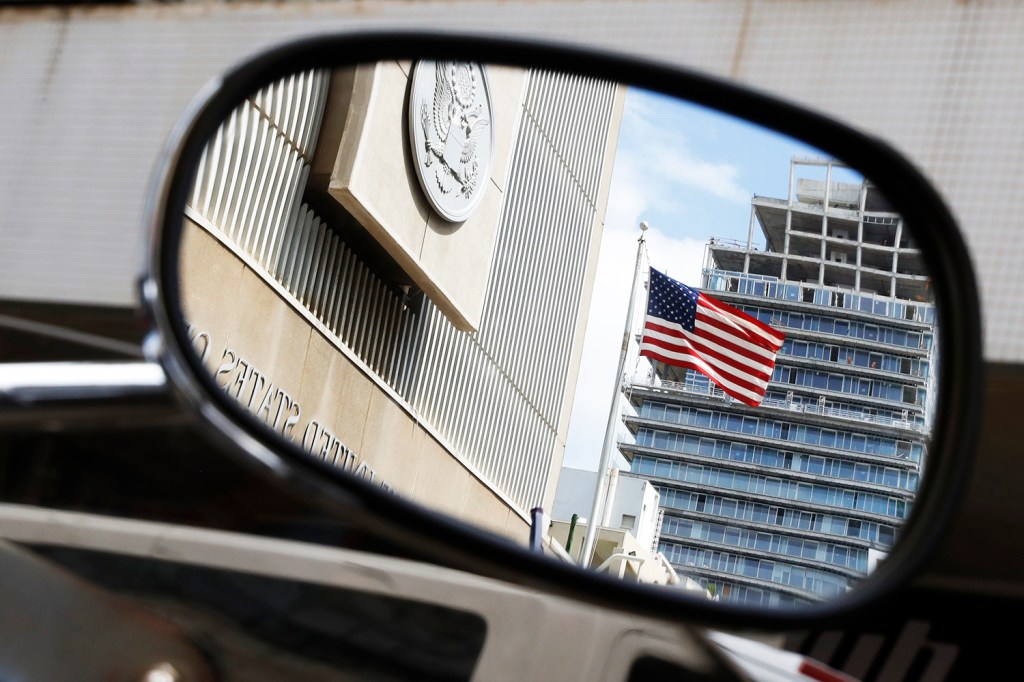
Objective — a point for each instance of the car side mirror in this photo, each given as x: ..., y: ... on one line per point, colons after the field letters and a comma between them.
x: 383, y: 267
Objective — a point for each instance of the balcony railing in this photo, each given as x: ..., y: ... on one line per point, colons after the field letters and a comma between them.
x: 821, y: 408
x: 770, y: 287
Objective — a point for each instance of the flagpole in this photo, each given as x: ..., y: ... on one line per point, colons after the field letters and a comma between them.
x: 596, y: 511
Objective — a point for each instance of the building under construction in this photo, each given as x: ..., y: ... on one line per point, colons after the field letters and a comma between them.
x: 795, y: 500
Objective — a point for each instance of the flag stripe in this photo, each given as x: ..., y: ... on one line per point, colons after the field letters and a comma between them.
x: 773, y: 337
x: 752, y: 398
x: 725, y: 381
x: 752, y: 356
x: 724, y: 351
x: 689, y: 329
x: 749, y: 348
x: 727, y: 327
x: 736, y: 375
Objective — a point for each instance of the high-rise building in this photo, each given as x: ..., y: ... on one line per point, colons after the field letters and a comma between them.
x: 795, y: 500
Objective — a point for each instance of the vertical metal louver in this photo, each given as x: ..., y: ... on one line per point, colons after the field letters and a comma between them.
x: 251, y: 178
x: 518, y: 360
x: 495, y: 396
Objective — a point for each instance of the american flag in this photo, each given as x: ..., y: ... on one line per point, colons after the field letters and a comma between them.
x: 689, y: 329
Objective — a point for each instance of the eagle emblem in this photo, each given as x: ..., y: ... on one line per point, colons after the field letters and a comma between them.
x: 454, y: 134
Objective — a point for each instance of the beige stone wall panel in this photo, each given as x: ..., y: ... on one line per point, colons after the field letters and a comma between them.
x: 449, y: 261
x: 340, y: 406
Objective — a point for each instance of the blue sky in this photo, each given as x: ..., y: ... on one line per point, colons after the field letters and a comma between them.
x: 690, y: 173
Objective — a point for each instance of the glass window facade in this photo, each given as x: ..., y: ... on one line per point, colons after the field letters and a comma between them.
x: 814, y: 580
x: 829, y: 324
x: 767, y: 286
x: 768, y: 427
x: 810, y: 487
x: 750, y: 595
x: 776, y: 487
x: 775, y: 458
x: 854, y: 357
x: 901, y: 416
x: 843, y: 556
x: 825, y: 522
x: 838, y: 382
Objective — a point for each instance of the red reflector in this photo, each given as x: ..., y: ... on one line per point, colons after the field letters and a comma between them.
x: 822, y: 673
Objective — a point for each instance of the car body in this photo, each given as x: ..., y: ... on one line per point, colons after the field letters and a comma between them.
x: 947, y: 77
x: 392, y: 618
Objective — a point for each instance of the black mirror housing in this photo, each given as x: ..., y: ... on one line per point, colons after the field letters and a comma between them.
x: 454, y: 542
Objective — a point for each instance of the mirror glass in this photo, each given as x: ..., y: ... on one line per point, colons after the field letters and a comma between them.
x: 678, y: 347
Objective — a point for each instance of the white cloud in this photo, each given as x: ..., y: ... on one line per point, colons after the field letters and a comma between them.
x: 680, y: 259
x: 718, y: 179
x: 631, y: 197
x: 654, y: 151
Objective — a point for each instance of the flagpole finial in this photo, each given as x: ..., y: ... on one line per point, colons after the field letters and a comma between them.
x: 643, y: 225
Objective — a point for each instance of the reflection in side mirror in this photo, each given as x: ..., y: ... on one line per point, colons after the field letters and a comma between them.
x: 420, y: 273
